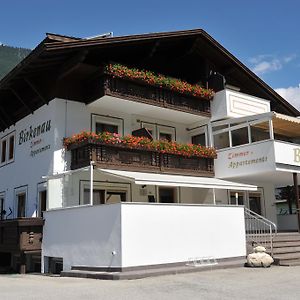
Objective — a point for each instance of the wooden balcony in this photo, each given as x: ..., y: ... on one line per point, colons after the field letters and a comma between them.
x: 119, y: 157
x: 23, y: 234
x: 19, y: 237
x: 154, y: 95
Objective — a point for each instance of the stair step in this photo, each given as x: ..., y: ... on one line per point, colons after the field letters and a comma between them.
x: 286, y: 244
x: 283, y: 250
x: 287, y: 256
x: 290, y: 263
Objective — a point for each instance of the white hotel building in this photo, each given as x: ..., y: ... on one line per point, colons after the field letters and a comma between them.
x: 147, y: 208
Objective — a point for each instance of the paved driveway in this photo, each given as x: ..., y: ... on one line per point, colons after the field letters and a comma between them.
x: 243, y: 283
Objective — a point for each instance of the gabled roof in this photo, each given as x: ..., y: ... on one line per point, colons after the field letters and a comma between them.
x: 61, y: 66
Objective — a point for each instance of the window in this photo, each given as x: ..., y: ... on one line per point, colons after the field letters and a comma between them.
x: 98, y: 196
x: 166, y: 195
x: 7, y: 149
x: 21, y: 202
x: 221, y: 140
x: 199, y: 139
x: 2, y: 206
x: 107, y: 124
x: 160, y: 131
x: 3, y: 151
x: 165, y: 136
x: 11, y: 147
x: 258, y: 134
x: 237, y: 198
x: 240, y: 136
x: 102, y: 127
x: 105, y: 193
x: 115, y: 196
x: 42, y: 203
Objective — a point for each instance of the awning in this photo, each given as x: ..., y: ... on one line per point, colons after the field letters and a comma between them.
x: 178, y: 180
x: 282, y: 124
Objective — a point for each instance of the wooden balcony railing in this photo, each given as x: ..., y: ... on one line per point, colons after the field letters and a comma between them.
x: 154, y: 95
x: 116, y: 157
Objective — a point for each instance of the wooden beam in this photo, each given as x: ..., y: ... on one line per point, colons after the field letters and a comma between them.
x: 6, y: 116
x: 154, y: 49
x: 71, y: 64
x: 21, y: 100
x: 34, y: 88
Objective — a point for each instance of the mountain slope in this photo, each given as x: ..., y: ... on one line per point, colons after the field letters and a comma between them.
x: 10, y: 57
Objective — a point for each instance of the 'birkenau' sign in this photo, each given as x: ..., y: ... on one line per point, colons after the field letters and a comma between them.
x: 33, y: 132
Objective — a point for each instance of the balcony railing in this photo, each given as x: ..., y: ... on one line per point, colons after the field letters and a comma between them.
x: 154, y: 95
x: 116, y: 157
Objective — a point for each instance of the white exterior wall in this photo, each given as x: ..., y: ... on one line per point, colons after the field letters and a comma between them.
x: 84, y: 235
x: 231, y: 104
x: 29, y: 165
x: 67, y: 118
x: 180, y: 233
x: 142, y: 234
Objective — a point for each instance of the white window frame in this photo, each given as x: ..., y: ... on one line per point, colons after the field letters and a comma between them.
x: 7, y: 139
x: 107, y: 186
x: 200, y: 130
x: 19, y: 191
x: 166, y: 130
x: 110, y: 120
x: 159, y: 128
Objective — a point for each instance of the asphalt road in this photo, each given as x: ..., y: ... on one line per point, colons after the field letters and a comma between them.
x: 243, y: 283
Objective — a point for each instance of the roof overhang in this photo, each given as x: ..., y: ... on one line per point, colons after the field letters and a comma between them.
x: 61, y: 66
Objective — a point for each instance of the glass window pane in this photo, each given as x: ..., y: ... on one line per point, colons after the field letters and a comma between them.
x: 98, y: 196
x: 199, y: 139
x: 21, y: 205
x: 221, y: 140
x: 259, y: 134
x: 102, y: 127
x: 3, y: 151
x: 11, y: 147
x: 115, y: 197
x: 240, y: 136
x: 165, y: 136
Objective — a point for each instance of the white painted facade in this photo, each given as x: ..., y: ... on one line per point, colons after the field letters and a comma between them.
x: 136, y: 232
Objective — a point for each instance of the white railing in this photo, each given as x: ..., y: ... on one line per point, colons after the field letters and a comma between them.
x: 259, y: 230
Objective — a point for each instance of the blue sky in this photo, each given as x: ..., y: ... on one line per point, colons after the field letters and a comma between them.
x: 263, y: 34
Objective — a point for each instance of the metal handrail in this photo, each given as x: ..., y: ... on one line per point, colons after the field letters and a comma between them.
x: 259, y: 230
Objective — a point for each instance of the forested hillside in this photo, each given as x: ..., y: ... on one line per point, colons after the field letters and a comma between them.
x: 10, y: 57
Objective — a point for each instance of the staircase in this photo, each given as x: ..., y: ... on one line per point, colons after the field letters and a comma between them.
x: 286, y: 249
x: 283, y: 247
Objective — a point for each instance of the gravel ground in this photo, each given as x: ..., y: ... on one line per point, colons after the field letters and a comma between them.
x: 242, y: 283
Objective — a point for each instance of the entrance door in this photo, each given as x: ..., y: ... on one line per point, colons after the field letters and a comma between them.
x: 255, y: 202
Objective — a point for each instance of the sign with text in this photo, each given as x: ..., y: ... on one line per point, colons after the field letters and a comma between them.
x: 35, y: 135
